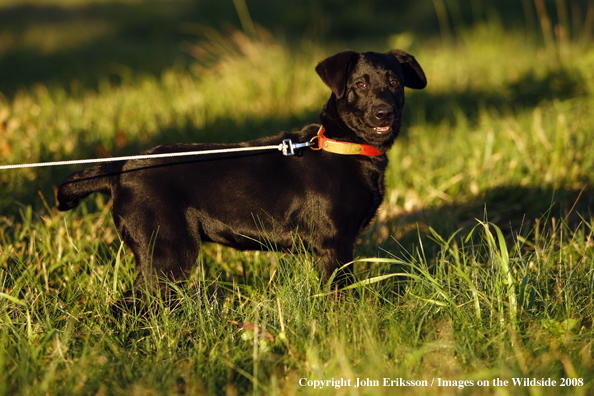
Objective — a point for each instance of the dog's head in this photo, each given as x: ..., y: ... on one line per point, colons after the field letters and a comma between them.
x: 368, y: 91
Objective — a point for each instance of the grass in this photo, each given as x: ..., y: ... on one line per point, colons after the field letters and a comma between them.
x: 482, y: 255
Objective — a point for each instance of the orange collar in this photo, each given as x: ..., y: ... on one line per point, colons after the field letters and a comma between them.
x: 334, y: 146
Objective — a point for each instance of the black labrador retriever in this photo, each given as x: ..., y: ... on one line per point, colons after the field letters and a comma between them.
x: 324, y: 196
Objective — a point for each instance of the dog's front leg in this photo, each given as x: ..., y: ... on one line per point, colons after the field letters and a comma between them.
x: 332, y: 262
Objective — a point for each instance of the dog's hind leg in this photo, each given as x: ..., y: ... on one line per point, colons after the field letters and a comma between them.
x: 164, y: 247
x: 165, y: 261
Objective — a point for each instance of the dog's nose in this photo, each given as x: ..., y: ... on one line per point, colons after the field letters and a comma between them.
x: 385, y: 114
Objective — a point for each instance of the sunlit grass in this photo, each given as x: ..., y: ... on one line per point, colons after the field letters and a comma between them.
x: 280, y: 82
x: 478, y: 309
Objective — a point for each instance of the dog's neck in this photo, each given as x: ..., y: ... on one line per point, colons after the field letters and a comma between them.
x: 335, y: 126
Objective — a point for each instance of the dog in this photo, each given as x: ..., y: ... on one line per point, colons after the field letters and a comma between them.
x: 325, y: 196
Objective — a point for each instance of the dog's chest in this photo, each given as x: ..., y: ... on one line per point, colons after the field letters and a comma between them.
x: 362, y: 190
x: 374, y: 179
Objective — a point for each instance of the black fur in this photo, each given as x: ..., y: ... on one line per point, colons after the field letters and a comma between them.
x: 164, y: 208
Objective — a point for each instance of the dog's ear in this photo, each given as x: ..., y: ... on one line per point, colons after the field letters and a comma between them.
x: 413, y: 74
x: 334, y: 71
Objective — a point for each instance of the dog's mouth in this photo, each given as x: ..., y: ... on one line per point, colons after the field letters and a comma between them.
x: 382, y: 130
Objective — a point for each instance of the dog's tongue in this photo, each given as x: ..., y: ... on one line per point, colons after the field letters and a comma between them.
x: 382, y: 129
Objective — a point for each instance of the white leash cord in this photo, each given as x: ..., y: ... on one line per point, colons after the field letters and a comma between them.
x: 287, y: 147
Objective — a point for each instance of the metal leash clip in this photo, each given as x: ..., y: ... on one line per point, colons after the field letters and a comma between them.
x: 288, y: 147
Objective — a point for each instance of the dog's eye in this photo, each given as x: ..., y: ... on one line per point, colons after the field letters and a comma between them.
x: 394, y: 82
x: 361, y: 85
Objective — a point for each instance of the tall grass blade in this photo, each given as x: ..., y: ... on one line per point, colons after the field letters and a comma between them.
x: 13, y: 299
x: 244, y: 16
x: 501, y: 256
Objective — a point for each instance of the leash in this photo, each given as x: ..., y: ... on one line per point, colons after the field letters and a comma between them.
x: 287, y: 147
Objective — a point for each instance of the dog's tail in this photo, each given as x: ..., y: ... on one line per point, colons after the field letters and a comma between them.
x: 78, y: 185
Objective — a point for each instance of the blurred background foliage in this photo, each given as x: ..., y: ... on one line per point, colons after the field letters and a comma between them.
x: 76, y: 44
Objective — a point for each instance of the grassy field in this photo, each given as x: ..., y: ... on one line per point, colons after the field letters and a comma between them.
x: 478, y: 272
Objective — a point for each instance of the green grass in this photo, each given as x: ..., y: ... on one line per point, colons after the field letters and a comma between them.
x: 482, y: 254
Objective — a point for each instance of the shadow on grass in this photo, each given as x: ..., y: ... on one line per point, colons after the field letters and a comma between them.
x: 516, y: 210
x: 79, y: 47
